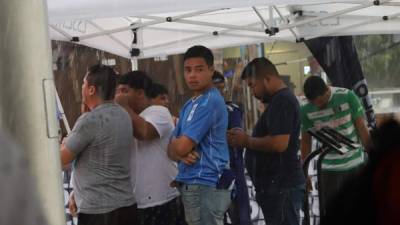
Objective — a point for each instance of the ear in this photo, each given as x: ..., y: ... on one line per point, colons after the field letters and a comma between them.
x: 92, y: 90
x: 266, y: 80
x: 140, y: 92
x: 212, y: 69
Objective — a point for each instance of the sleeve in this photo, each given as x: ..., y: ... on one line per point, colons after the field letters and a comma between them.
x: 356, y: 108
x: 82, y: 134
x: 177, y: 130
x: 199, y: 121
x: 160, y: 118
x: 281, y: 118
x: 305, y: 121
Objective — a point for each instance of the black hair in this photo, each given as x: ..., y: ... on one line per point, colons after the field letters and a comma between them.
x: 138, y: 80
x: 218, y: 77
x: 314, y: 87
x: 199, y: 51
x: 157, y: 90
x: 259, y: 68
x: 104, y: 79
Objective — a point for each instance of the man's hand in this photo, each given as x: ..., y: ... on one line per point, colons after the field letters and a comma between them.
x: 73, y: 209
x: 191, y: 158
x: 237, y: 138
x: 181, y: 147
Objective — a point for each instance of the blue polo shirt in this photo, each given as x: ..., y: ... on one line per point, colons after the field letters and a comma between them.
x: 204, y: 120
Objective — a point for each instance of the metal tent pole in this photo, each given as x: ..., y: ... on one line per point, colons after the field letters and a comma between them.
x: 63, y: 116
x: 210, y: 34
x: 27, y: 94
x: 140, y: 25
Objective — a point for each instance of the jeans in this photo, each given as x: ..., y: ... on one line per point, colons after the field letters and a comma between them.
x: 281, y: 206
x: 204, y: 205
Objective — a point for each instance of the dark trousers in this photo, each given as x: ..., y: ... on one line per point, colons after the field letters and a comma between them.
x: 282, y: 206
x: 239, y: 211
x: 170, y: 213
x: 332, y: 183
x: 120, y: 216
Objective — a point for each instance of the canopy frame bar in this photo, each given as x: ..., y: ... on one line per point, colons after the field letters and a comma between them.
x: 220, y: 32
x: 63, y: 33
x: 374, y: 20
x: 287, y: 22
x: 136, y: 26
x: 112, y: 37
x: 329, y: 15
x: 261, y: 17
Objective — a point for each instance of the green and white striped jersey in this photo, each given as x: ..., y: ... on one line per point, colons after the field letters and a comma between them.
x: 340, y: 114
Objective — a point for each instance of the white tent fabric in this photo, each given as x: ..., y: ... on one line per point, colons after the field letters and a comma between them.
x: 167, y: 27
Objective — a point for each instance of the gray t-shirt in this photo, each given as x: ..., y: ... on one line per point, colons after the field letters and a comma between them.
x: 101, y: 140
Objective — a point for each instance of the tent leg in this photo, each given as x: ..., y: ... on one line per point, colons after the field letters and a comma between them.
x: 134, y: 63
x: 27, y: 98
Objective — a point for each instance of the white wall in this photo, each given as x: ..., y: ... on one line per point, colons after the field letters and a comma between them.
x: 285, y: 52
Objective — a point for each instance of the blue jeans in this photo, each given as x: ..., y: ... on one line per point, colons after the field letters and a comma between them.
x: 281, y: 206
x: 204, y: 205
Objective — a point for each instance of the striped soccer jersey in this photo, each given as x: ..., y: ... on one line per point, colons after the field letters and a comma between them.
x: 340, y: 114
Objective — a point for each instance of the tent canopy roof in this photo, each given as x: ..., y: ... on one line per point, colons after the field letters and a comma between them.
x: 165, y: 27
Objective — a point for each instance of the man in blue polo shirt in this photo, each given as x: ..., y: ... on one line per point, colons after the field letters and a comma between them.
x: 199, y: 144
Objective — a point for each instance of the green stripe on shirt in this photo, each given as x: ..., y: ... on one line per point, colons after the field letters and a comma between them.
x: 342, y: 110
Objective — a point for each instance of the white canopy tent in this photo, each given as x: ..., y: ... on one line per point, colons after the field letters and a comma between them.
x: 169, y: 27
x: 165, y: 27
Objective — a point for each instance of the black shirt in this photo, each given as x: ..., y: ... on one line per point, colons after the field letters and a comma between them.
x: 271, y: 171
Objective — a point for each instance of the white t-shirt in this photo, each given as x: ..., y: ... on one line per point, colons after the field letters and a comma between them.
x: 151, y: 169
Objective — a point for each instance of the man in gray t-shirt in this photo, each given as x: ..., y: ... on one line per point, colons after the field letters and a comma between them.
x: 100, y: 145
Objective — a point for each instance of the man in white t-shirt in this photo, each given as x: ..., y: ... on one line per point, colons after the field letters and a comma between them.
x: 159, y: 96
x: 151, y: 169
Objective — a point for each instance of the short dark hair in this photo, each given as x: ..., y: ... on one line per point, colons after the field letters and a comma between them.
x: 313, y: 87
x: 259, y: 68
x: 138, y: 80
x: 218, y: 77
x: 157, y: 90
x: 199, y: 51
x: 104, y: 79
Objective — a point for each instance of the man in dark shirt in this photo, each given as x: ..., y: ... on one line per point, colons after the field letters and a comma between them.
x: 272, y: 151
